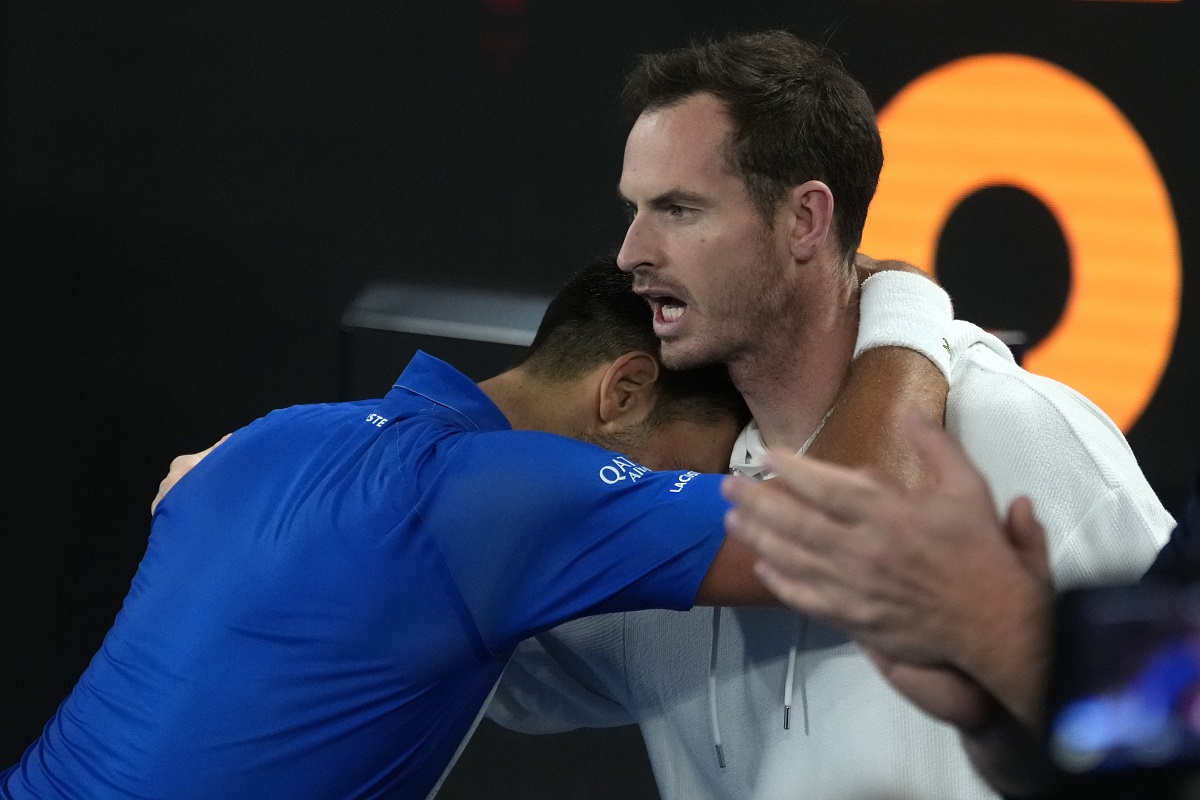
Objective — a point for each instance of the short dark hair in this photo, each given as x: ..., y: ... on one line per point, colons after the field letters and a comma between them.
x: 797, y: 116
x: 596, y: 318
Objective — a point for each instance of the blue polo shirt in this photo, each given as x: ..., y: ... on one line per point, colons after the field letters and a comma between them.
x: 328, y: 598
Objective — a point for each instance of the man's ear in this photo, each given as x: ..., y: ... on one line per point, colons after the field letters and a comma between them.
x: 627, y: 390
x: 811, y: 204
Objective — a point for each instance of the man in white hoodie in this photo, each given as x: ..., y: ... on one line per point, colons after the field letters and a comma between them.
x: 748, y: 174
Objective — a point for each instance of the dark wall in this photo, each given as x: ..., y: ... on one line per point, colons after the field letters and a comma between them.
x: 192, y: 193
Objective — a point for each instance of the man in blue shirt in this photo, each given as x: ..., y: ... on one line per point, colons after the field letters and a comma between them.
x: 328, y: 598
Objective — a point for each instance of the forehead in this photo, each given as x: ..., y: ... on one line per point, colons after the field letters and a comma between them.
x: 681, y: 146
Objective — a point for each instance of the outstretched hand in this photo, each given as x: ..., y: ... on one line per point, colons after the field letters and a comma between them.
x: 950, y: 695
x: 925, y: 577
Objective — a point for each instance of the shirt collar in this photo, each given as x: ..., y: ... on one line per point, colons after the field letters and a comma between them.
x: 750, y: 450
x: 440, y: 383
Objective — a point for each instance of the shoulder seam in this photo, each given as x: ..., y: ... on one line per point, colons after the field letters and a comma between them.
x: 1110, y: 482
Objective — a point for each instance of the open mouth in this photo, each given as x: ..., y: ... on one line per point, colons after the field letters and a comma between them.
x: 667, y: 309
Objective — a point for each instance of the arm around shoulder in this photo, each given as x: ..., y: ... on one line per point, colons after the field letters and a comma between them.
x: 901, y: 367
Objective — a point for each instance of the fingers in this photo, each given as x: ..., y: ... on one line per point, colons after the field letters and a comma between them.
x: 833, y: 490
x: 947, y: 462
x: 895, y: 264
x: 864, y: 266
x: 867, y: 266
x: 180, y: 465
x: 778, y: 526
x: 1028, y: 537
x: 794, y: 592
x: 797, y: 545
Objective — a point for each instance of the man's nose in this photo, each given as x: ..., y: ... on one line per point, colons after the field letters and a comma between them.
x: 639, y: 248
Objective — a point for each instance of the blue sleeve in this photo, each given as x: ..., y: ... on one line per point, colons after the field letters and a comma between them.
x: 537, y: 529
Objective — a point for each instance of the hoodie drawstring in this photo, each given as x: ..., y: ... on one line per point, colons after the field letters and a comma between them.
x: 714, y: 721
x: 789, y: 681
x: 799, y: 633
x: 747, y: 460
x: 795, y: 664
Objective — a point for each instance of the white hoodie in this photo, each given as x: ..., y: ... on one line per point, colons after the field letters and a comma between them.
x: 707, y: 677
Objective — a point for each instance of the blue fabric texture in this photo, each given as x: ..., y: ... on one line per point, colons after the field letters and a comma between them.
x: 327, y: 599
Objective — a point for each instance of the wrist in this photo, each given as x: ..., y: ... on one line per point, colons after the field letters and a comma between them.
x: 1011, y: 660
x: 903, y: 309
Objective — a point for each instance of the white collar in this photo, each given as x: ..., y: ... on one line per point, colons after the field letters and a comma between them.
x: 750, y: 450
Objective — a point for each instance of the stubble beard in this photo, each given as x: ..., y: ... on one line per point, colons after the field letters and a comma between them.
x: 676, y: 356
x: 744, y: 325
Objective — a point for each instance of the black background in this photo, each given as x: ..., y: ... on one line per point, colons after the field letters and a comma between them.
x: 192, y: 193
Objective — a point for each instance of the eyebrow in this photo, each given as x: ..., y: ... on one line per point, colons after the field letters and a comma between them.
x: 670, y: 197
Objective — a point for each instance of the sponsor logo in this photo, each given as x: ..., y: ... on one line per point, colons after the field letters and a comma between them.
x: 621, y: 469
x: 683, y: 481
x: 376, y: 420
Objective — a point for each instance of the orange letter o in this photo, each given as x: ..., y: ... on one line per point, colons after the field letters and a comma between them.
x: 1015, y: 120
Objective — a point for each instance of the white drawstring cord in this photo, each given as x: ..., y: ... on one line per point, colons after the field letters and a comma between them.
x: 712, y: 687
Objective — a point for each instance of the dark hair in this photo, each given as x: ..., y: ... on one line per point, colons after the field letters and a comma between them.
x: 596, y: 318
x: 797, y: 116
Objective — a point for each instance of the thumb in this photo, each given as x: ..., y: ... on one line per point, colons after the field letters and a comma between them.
x: 1027, y: 537
x: 947, y: 462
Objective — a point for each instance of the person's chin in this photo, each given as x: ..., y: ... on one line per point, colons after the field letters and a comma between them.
x: 679, y: 354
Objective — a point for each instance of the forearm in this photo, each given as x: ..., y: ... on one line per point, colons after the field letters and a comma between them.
x: 865, y: 426
x: 1011, y: 660
x: 730, y: 580
x: 901, y: 366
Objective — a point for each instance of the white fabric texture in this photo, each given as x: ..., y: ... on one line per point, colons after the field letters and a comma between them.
x: 903, y: 309
x: 859, y: 739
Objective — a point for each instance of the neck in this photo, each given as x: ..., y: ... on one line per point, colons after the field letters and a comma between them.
x: 791, y: 378
x: 529, y: 403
